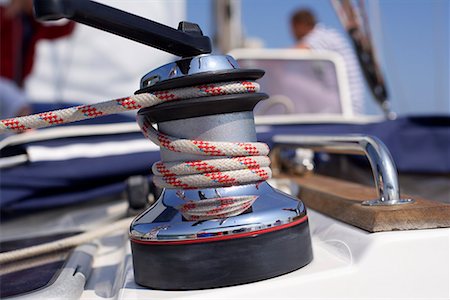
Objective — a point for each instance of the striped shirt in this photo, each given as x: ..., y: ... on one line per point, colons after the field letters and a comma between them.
x: 323, y: 38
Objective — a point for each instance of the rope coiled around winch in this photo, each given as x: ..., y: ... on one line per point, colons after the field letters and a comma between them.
x: 242, y: 163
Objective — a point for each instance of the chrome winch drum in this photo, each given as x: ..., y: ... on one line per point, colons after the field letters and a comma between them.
x: 268, y: 239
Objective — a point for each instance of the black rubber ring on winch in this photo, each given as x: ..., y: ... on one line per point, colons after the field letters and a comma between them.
x: 203, y: 106
x: 222, y: 263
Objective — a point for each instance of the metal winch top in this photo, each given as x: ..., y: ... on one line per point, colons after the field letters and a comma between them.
x: 191, y: 67
x: 270, y: 236
x: 199, y: 70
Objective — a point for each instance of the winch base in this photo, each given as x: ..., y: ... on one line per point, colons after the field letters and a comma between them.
x: 222, y: 262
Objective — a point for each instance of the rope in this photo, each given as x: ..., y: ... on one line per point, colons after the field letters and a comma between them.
x: 216, y: 208
x: 115, y: 106
x: 65, y: 243
x: 242, y: 163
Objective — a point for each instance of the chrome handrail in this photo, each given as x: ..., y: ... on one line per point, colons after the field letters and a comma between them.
x: 383, y: 167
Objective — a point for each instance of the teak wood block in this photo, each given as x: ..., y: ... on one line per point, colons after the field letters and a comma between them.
x: 342, y: 200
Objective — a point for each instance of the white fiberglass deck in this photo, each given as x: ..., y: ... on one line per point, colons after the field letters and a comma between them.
x: 348, y: 263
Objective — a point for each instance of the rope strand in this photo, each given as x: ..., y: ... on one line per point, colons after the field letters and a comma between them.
x: 243, y: 163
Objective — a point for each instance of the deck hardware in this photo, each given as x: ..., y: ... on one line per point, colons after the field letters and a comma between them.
x: 382, y: 164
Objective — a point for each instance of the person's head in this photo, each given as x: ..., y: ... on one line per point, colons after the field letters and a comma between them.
x: 302, y: 22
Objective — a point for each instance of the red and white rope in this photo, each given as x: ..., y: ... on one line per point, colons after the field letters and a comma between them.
x: 115, y: 106
x: 216, y: 208
x: 242, y: 163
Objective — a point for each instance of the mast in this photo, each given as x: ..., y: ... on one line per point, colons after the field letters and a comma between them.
x: 228, y: 26
x: 357, y: 26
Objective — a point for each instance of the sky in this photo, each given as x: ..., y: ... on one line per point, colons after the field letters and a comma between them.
x: 411, y: 38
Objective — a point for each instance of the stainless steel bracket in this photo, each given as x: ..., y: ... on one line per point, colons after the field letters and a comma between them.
x: 383, y: 166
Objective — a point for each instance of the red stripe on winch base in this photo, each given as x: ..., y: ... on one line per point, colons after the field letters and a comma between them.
x: 223, y: 237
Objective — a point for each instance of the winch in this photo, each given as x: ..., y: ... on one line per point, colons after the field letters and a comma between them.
x: 177, y: 250
x: 217, y: 222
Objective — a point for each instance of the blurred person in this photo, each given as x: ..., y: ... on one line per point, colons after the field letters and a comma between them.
x: 315, y: 36
x: 19, y: 34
